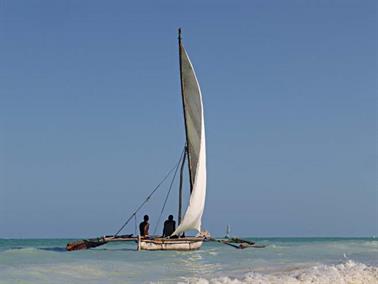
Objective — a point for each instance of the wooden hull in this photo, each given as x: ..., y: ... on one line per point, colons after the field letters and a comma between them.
x: 183, y: 244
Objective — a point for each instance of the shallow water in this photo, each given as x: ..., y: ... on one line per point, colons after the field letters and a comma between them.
x: 284, y: 260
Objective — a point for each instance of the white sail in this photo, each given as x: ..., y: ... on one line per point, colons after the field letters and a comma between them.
x: 195, y: 128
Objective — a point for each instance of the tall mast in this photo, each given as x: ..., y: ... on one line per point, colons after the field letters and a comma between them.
x: 183, y: 107
x: 180, y: 187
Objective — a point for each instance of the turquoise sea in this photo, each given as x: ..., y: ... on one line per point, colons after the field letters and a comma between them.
x: 284, y: 260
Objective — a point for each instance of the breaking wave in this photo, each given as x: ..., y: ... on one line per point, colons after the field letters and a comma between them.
x: 349, y: 272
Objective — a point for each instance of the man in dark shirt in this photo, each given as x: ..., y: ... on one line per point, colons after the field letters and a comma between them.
x: 169, y: 226
x: 144, y: 226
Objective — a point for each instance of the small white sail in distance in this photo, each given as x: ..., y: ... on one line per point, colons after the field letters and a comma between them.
x: 195, y: 127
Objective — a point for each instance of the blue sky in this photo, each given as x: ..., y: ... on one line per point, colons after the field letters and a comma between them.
x: 91, y: 119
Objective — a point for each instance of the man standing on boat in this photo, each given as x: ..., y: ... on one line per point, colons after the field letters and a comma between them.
x: 144, y: 226
x: 169, y: 226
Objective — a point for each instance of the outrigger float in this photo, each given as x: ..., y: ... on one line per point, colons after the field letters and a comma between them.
x: 195, y: 152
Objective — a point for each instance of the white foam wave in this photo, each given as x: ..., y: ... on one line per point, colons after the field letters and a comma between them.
x: 62, y: 273
x: 344, y: 273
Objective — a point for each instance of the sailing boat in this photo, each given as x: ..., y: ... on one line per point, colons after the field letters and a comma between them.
x: 195, y: 152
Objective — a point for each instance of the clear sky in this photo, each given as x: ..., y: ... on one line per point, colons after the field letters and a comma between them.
x: 91, y: 118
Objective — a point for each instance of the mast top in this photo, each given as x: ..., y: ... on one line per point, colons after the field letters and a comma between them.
x: 179, y: 34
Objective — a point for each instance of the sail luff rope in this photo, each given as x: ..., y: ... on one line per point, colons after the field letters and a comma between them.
x: 147, y: 199
x: 181, y: 48
x: 169, y: 190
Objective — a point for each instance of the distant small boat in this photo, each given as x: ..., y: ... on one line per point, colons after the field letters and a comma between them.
x: 228, y: 231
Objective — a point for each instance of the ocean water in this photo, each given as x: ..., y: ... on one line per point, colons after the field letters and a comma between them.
x: 284, y: 260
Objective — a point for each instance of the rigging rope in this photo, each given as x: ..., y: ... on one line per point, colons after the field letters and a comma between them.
x: 135, y: 225
x: 148, y: 198
x: 169, y: 191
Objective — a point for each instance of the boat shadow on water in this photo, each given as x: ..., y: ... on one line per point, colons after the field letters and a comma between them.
x: 63, y: 249
x: 56, y: 249
x: 115, y: 249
